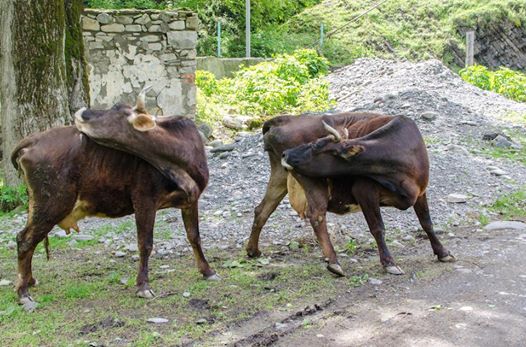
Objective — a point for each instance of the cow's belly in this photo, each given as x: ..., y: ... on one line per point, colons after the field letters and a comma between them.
x: 87, y: 208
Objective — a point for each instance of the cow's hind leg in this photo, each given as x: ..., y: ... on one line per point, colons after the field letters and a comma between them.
x: 317, y: 196
x: 367, y: 194
x: 27, y: 241
x: 276, y: 191
x: 145, y: 220
x: 191, y: 224
x: 422, y: 212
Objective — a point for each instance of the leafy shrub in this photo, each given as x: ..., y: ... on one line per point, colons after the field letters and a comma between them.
x: 12, y: 197
x: 507, y: 82
x: 206, y: 82
x: 288, y: 84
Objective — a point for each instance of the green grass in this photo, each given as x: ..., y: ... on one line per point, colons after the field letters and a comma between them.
x: 511, y: 205
x: 410, y: 29
x: 515, y: 154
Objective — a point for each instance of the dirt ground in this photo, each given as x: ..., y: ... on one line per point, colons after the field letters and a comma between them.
x: 478, y: 301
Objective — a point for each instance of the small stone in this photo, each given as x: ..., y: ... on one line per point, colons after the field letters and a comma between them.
x: 90, y: 24
x: 223, y: 148
x: 502, y: 142
x: 104, y: 18
x: 120, y: 254
x: 216, y: 143
x: 280, y: 326
x: 157, y: 320
x: 81, y: 237
x: 4, y: 283
x: 201, y: 321
x: 466, y: 308
x: 144, y: 19
x: 232, y: 123
x: 11, y: 244
x: 132, y: 247
x: 134, y: 28
x: 124, y: 280
x: 177, y: 25
x: 498, y: 172
x: 135, y: 257
x: 500, y: 225
x: 375, y: 282
x: 457, y: 198
x: 224, y: 155
x: 112, y: 28
x: 429, y: 116
x: 186, y: 294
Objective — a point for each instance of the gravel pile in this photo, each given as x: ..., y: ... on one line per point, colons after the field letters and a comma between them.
x: 452, y: 115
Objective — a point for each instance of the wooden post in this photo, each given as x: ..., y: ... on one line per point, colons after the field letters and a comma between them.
x: 470, y: 47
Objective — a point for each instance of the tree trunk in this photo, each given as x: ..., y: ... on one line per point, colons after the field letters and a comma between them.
x: 35, y: 82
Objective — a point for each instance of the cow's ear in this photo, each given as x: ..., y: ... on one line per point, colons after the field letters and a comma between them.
x: 351, y: 151
x: 143, y: 122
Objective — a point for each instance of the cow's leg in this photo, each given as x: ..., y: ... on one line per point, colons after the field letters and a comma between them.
x: 422, y: 212
x: 276, y: 191
x: 317, y: 194
x: 367, y: 194
x: 145, y: 220
x: 27, y: 241
x: 191, y: 224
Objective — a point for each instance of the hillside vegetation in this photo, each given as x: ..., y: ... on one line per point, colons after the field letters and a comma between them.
x: 411, y: 29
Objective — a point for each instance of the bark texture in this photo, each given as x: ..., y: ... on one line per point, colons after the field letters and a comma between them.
x: 36, y: 83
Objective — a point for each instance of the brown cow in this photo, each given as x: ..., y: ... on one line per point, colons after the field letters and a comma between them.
x: 373, y: 160
x: 69, y: 176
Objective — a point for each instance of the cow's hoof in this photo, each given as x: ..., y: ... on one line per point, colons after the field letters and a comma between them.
x: 336, y: 269
x: 214, y: 277
x: 447, y: 259
x: 145, y: 293
x: 394, y: 270
x: 253, y: 253
x: 28, y: 303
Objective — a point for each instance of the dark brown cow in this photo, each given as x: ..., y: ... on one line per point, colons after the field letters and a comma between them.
x: 366, y: 161
x: 69, y: 177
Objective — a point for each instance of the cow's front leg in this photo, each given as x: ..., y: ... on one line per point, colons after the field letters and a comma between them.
x: 191, y: 224
x: 367, y: 195
x: 145, y: 220
x: 317, y: 194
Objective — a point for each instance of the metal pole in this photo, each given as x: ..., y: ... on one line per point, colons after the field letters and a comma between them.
x: 470, y: 47
x: 321, y: 35
x: 247, y: 28
x: 219, y: 39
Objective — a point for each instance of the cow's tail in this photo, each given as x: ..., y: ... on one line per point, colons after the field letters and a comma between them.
x: 15, y: 155
x: 46, y: 246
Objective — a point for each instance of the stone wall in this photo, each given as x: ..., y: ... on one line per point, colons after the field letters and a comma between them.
x: 128, y: 49
x: 225, y: 67
x: 496, y: 44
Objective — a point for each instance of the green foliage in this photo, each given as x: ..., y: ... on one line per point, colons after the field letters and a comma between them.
x: 290, y: 83
x: 512, y: 205
x: 351, y: 246
x: 507, y: 82
x: 12, y: 197
x: 119, y: 4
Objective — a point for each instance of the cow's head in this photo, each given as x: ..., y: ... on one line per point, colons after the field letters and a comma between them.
x: 327, y: 156
x: 119, y: 121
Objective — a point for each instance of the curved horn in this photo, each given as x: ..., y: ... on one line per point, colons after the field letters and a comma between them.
x: 345, y: 133
x: 332, y: 131
x: 140, y: 104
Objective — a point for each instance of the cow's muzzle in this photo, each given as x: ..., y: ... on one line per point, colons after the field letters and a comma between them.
x: 284, y: 162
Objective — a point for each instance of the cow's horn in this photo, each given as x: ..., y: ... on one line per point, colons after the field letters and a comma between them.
x: 332, y: 131
x: 346, y: 133
x: 140, y: 104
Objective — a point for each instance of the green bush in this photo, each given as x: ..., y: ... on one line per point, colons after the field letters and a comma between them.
x: 12, y: 197
x: 291, y: 83
x: 507, y: 82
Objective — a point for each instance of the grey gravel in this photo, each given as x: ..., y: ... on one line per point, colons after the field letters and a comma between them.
x: 458, y: 115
